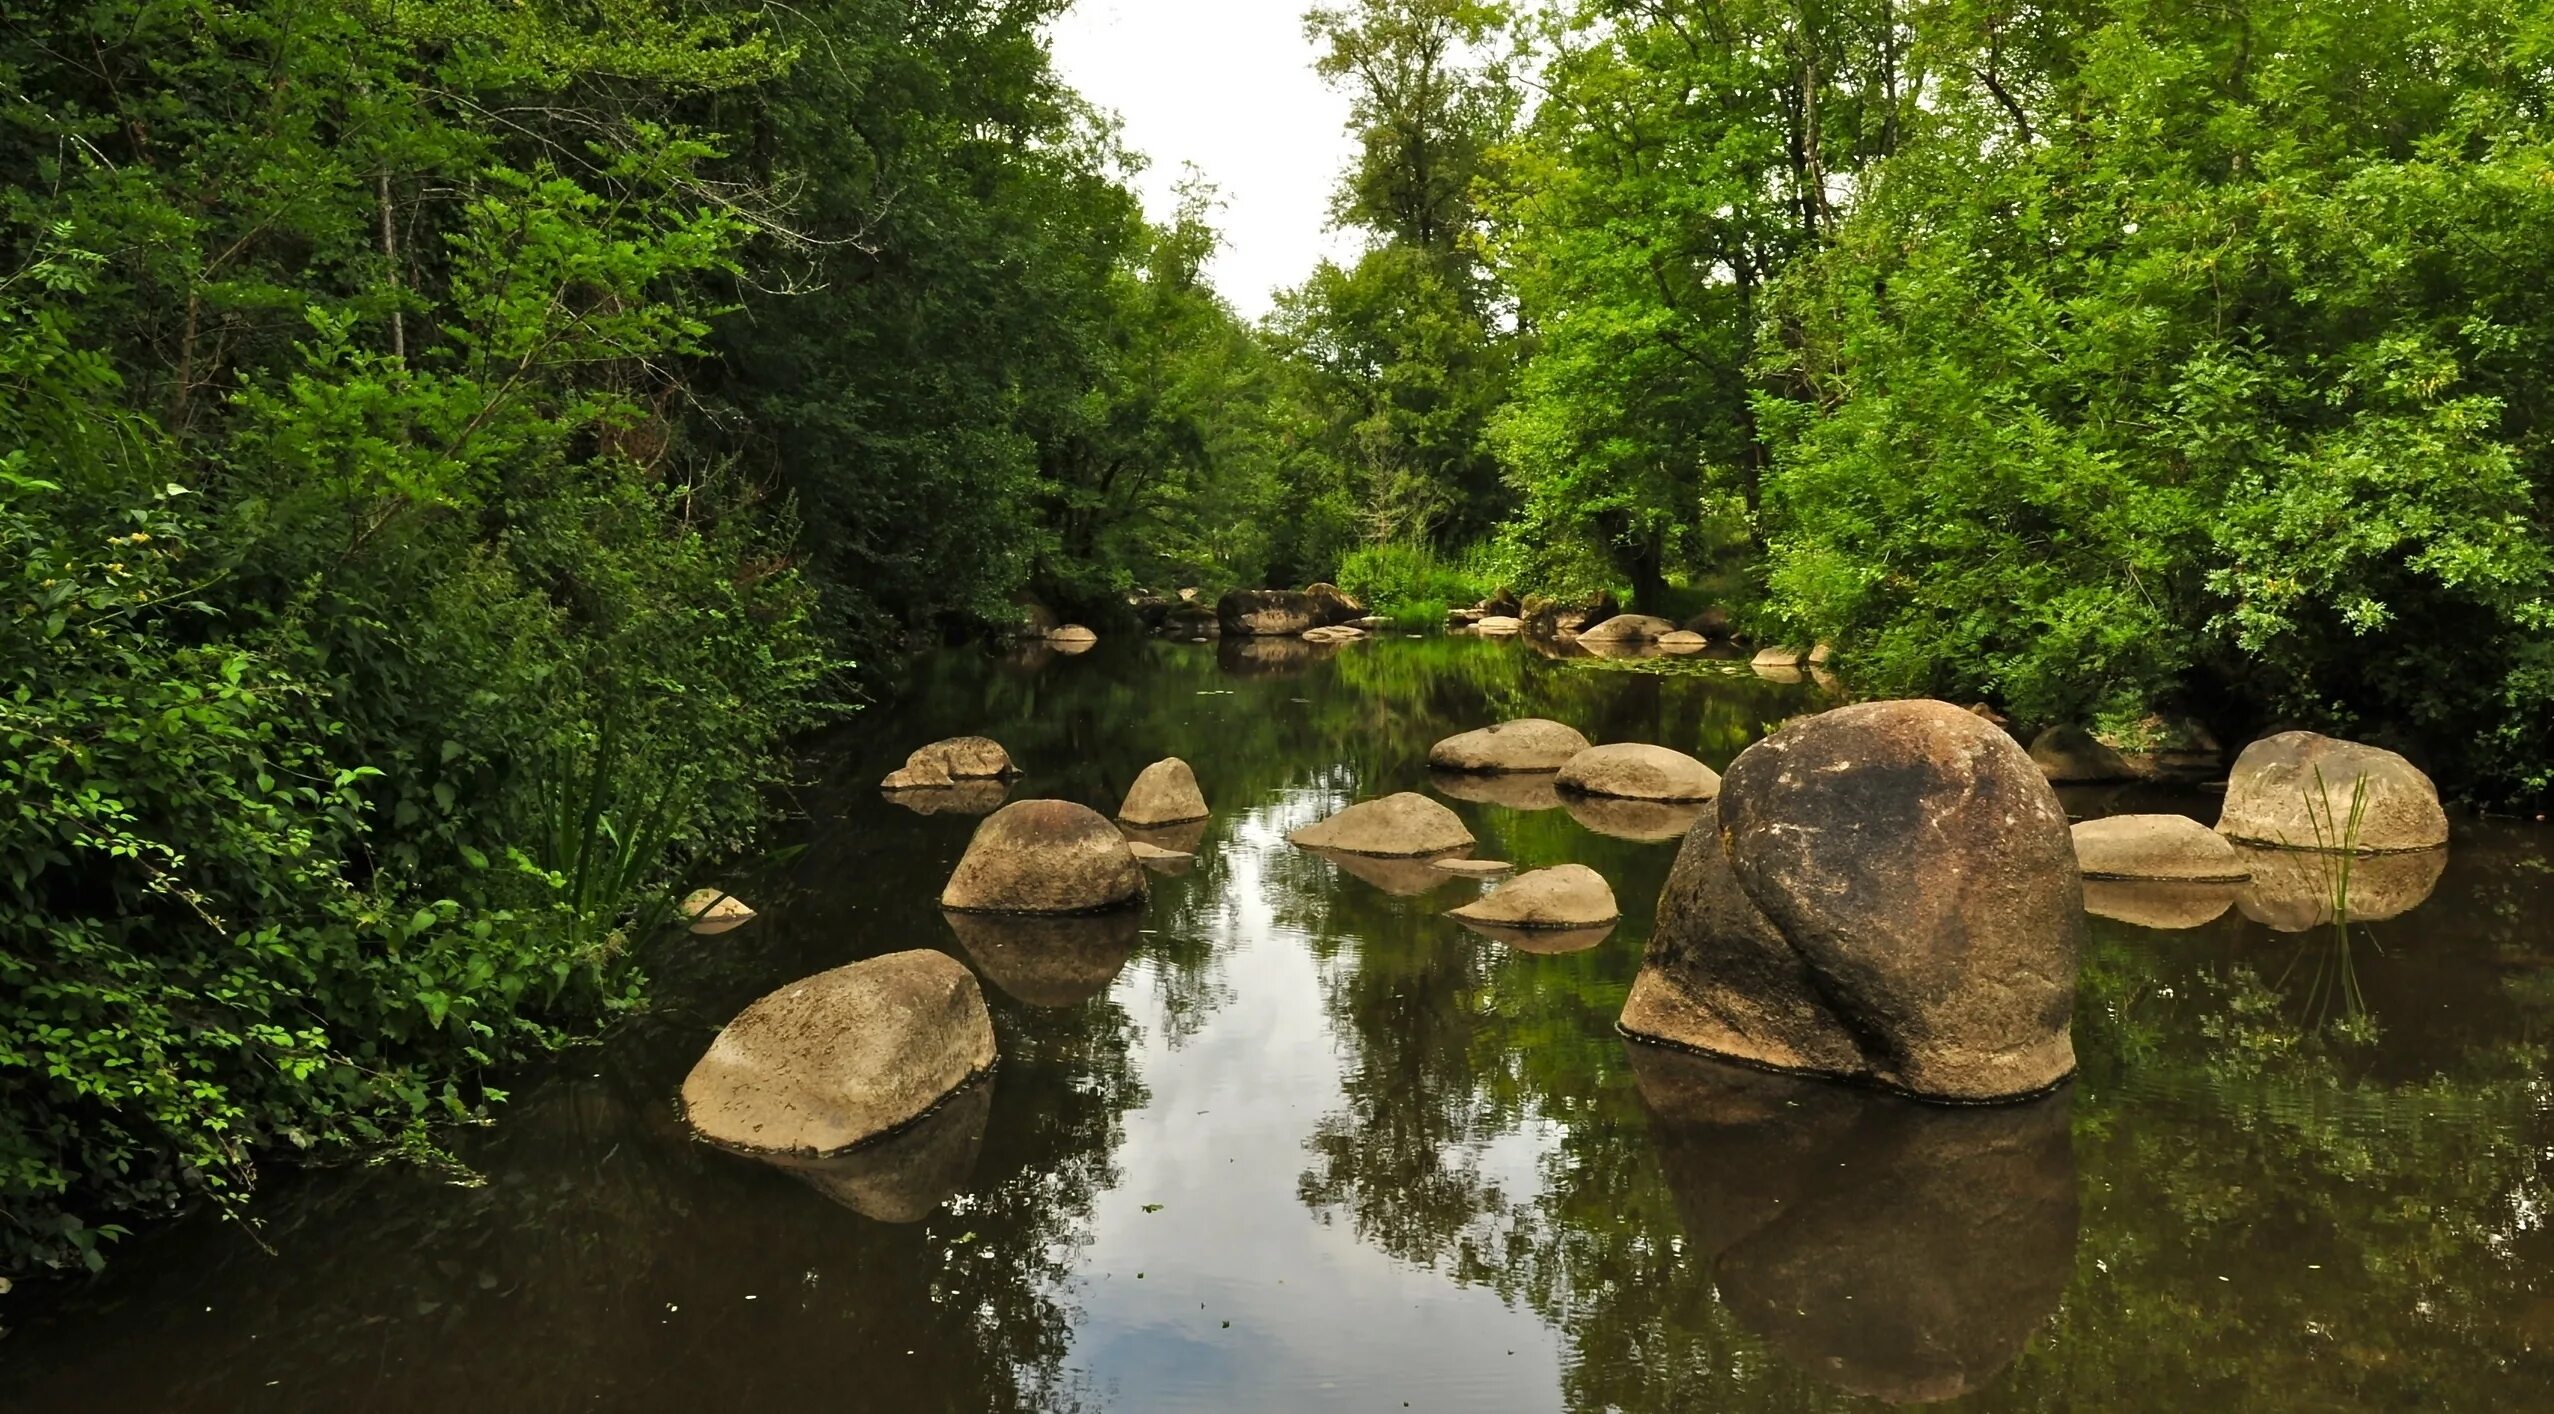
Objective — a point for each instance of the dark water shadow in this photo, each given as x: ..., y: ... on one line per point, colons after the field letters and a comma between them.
x: 961, y: 798
x: 1893, y: 1249
x: 906, y: 1178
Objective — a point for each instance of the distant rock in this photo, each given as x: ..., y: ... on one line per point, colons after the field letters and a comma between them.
x: 2296, y: 791
x: 1624, y: 628
x: 1073, y: 640
x: 1570, y: 896
x: 714, y: 911
x: 1712, y: 624
x: 1337, y: 633
x: 1395, y: 827
x: 1555, y: 618
x: 1464, y: 618
x: 1053, y: 961
x: 1475, y: 868
x: 2174, y: 848
x: 1635, y: 771
x: 1285, y: 613
x: 1526, y: 745
x: 1683, y: 641
x: 1887, y: 892
x: 944, y: 763
x: 1779, y: 657
x: 2073, y: 756
x: 1165, y: 794
x: 1503, y: 604
x: 1044, y: 856
x: 1499, y: 626
x: 842, y: 1059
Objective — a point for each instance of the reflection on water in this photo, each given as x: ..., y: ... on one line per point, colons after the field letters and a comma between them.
x: 2293, y: 891
x: 1289, y: 1140
x: 1890, y: 1248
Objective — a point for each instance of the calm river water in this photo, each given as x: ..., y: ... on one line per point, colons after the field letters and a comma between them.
x: 1295, y: 1141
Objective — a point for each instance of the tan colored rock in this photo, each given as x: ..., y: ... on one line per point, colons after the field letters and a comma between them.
x: 1069, y: 634
x: 1570, y: 896
x: 2074, y: 756
x: 1517, y: 790
x: 1780, y: 657
x: 1773, y: 673
x: 1282, y: 613
x: 1475, y: 868
x: 1542, y: 942
x: 1633, y: 771
x: 1623, y: 628
x: 2173, y: 848
x: 1339, y: 633
x: 1165, y: 794
x: 1394, y: 827
x: 714, y: 911
x: 1530, y: 744
x: 942, y: 763
x: 843, y: 1058
x: 1050, y: 961
x: 2296, y: 891
x: 1499, y: 626
x: 1161, y: 861
x: 2161, y: 907
x: 1641, y: 821
x: 1682, y: 641
x: 1044, y: 856
x: 1890, y: 894
x: 907, y: 1176
x: 2296, y: 791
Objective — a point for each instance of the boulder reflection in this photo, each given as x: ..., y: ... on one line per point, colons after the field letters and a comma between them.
x: 1527, y: 791
x: 959, y: 798
x: 1646, y: 821
x: 1543, y: 942
x: 905, y: 1178
x: 2161, y: 906
x: 1401, y: 878
x: 1049, y: 962
x: 1897, y: 1250
x: 2293, y: 891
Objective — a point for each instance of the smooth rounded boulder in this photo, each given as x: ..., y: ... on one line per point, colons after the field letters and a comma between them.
x: 1044, y: 856
x: 1886, y: 893
x: 2169, y: 848
x: 1684, y: 641
x: 1402, y: 826
x: 1570, y: 896
x: 2299, y: 790
x: 1165, y: 793
x: 842, y: 1059
x: 1633, y: 771
x: 1511, y: 748
x: 2073, y: 756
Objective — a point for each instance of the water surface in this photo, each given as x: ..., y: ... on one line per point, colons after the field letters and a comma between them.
x: 1293, y: 1140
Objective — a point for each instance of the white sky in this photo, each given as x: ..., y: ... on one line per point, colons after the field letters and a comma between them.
x: 1229, y: 86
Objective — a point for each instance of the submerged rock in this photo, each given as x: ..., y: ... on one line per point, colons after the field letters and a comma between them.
x: 1570, y: 896
x: 1895, y: 1250
x: 2162, y: 906
x: 2296, y: 891
x: 843, y: 1058
x: 1888, y: 893
x: 1044, y: 856
x: 2073, y: 756
x: 2296, y: 791
x: 1397, y: 827
x: 1641, y: 821
x: 2166, y: 847
x: 1052, y: 961
x: 1526, y: 745
x: 714, y: 911
x: 1515, y: 790
x: 1633, y: 771
x: 945, y: 763
x: 1165, y: 794
x: 907, y: 1176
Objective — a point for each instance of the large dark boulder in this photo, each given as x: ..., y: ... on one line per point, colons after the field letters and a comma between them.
x: 1900, y: 1251
x: 1886, y: 893
x: 1285, y: 613
x: 1554, y: 618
